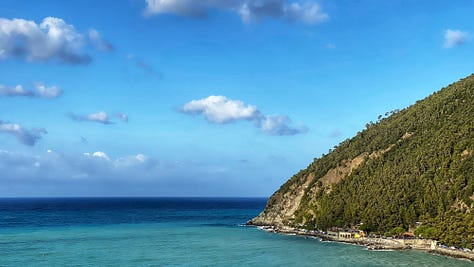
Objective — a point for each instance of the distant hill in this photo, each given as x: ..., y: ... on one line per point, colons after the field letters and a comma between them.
x: 413, y: 168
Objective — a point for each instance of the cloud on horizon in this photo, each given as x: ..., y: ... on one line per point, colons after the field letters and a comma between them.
x: 40, y: 91
x: 24, y: 136
x: 54, y: 165
x: 454, y: 38
x: 248, y: 10
x: 220, y: 110
x: 52, y: 40
x: 97, y: 173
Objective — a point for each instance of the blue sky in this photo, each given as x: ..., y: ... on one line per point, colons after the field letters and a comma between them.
x: 206, y: 98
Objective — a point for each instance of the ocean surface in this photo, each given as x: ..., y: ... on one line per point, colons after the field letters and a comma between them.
x: 169, y: 232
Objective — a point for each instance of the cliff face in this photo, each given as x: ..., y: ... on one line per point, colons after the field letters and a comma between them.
x: 412, y: 167
x: 281, y: 207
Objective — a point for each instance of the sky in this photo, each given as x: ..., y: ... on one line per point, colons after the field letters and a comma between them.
x: 225, y: 98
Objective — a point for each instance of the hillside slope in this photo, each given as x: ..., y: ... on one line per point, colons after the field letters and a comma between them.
x: 413, y: 167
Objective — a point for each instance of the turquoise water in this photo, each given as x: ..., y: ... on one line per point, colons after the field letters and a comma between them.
x: 187, y: 232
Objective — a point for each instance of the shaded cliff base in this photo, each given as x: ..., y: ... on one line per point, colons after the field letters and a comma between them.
x: 374, y: 243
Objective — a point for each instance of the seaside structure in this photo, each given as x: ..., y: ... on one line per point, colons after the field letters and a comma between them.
x: 347, y: 234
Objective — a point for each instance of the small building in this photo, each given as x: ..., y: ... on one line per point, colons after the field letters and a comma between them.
x: 345, y: 235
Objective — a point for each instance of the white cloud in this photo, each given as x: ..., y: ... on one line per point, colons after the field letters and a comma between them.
x: 47, y: 92
x: 40, y: 91
x: 18, y: 90
x: 51, y: 40
x: 140, y: 157
x: 100, y: 154
x: 254, y: 10
x: 100, y: 117
x: 310, y: 13
x: 56, y: 165
x: 220, y: 109
x: 67, y: 174
x: 98, y: 42
x: 180, y: 7
x: 248, y: 10
x: 454, y: 38
x: 280, y: 125
x: 133, y: 160
x: 122, y: 116
x: 25, y: 136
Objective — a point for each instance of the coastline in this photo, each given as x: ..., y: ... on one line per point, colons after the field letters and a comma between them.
x: 373, y: 243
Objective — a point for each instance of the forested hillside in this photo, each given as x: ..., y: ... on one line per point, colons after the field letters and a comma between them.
x: 412, y: 168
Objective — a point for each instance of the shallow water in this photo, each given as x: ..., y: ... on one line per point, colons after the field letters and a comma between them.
x: 169, y: 232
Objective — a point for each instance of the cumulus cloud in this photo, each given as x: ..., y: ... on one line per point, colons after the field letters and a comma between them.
x: 51, y: 40
x: 454, y: 38
x: 24, y: 136
x: 40, y: 91
x: 220, y: 109
x: 248, y: 10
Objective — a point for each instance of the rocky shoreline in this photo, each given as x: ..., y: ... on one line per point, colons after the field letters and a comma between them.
x: 373, y: 243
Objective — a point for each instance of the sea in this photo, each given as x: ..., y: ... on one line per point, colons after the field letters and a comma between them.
x: 169, y: 232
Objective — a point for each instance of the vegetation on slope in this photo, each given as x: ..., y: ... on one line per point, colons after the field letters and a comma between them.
x: 418, y: 170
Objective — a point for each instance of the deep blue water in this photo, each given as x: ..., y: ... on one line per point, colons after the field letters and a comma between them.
x: 43, y: 212
x: 168, y: 232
